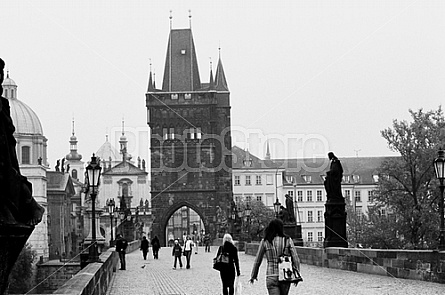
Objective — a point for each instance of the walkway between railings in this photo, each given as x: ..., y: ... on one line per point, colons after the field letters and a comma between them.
x: 156, y: 277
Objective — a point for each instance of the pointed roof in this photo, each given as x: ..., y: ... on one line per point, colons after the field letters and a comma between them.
x: 220, y: 78
x: 211, y: 83
x: 151, y: 86
x: 181, y: 71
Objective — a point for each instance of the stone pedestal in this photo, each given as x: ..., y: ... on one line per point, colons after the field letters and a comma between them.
x: 294, y: 231
x: 12, y: 240
x: 335, y: 224
x: 100, y: 240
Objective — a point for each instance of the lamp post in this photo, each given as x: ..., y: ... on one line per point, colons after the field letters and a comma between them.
x: 111, y: 205
x: 93, y: 172
x: 439, y: 167
x: 276, y: 207
x: 247, y: 212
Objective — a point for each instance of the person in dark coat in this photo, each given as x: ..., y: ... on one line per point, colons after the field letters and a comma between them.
x: 121, y: 247
x: 155, y: 245
x: 177, y: 252
x: 227, y: 274
x: 144, y: 247
x: 207, y: 242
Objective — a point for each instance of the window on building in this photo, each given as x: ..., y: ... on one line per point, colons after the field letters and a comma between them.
x: 165, y: 133
x: 370, y: 196
x: 238, y: 198
x: 258, y: 179
x: 348, y: 195
x: 309, y: 196
x: 26, y: 157
x: 300, y: 196
x: 346, y: 178
x: 269, y: 179
x: 310, y: 236
x: 237, y: 180
x: 356, y: 178
x: 198, y: 133
x: 174, y: 96
x: 270, y: 198
x: 359, y: 212
x: 319, y: 195
x: 248, y: 180
x: 259, y: 198
x: 248, y: 198
x: 358, y: 197
x: 172, y: 133
x: 375, y: 177
x: 319, y: 216
x: 187, y: 96
x: 320, y: 236
x: 6, y: 93
x: 310, y: 216
x: 74, y: 173
x: 290, y: 193
x: 307, y: 178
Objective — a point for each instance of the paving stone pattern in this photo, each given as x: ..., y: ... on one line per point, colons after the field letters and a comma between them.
x: 156, y: 277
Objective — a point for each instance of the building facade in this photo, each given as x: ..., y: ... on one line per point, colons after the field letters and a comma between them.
x: 303, y: 179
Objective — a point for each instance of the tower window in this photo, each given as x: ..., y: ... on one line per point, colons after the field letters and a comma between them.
x: 26, y: 155
x: 6, y: 93
x: 182, y: 51
x: 174, y: 96
x: 187, y: 96
x: 74, y: 173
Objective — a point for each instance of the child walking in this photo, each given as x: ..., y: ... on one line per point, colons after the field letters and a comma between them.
x: 177, y: 252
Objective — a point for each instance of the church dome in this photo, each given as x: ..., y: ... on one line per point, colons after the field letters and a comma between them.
x: 24, y: 118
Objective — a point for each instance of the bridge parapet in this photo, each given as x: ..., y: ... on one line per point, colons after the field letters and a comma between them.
x: 424, y: 265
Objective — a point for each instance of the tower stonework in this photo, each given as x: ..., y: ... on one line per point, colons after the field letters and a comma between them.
x: 190, y: 147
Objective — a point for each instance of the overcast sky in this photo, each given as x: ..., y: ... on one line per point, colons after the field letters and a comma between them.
x: 312, y: 76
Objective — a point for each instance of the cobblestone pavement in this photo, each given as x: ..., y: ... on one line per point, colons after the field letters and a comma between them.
x: 156, y: 277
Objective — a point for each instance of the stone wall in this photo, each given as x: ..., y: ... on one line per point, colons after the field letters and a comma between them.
x: 60, y: 278
x: 425, y: 265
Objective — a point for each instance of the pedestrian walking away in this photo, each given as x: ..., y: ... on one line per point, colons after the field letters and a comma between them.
x: 207, y: 242
x: 144, y: 247
x: 273, y: 246
x: 177, y: 252
x: 121, y: 247
x: 227, y: 272
x: 188, y: 248
x: 155, y: 245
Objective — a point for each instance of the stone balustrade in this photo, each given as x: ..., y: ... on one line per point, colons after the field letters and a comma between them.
x: 425, y: 265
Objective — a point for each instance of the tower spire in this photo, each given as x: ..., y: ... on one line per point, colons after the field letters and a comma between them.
x: 190, y: 18
x: 220, y: 77
x: 151, y: 87
x: 267, y: 151
x: 211, y: 82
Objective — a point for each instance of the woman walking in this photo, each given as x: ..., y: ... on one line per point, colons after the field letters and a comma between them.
x: 228, y: 272
x: 273, y: 246
x: 188, y: 248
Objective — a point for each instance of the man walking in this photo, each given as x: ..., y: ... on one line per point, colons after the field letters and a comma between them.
x: 144, y: 247
x: 121, y: 247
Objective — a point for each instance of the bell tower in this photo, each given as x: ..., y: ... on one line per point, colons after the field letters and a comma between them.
x: 190, y: 146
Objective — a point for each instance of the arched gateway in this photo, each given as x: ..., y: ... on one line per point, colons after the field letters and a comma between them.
x: 190, y: 144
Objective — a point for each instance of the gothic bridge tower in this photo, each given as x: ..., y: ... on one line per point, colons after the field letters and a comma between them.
x: 190, y: 144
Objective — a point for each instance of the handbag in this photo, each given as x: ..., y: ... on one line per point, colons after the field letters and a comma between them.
x: 221, y: 259
x: 287, y: 273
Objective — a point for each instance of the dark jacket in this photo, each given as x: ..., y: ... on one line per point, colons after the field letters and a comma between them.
x: 121, y: 245
x: 155, y: 243
x: 144, y: 245
x: 177, y: 250
x: 230, y: 249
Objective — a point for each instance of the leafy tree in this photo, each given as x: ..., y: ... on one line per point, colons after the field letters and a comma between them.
x: 20, y: 279
x: 260, y: 216
x: 407, y: 184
